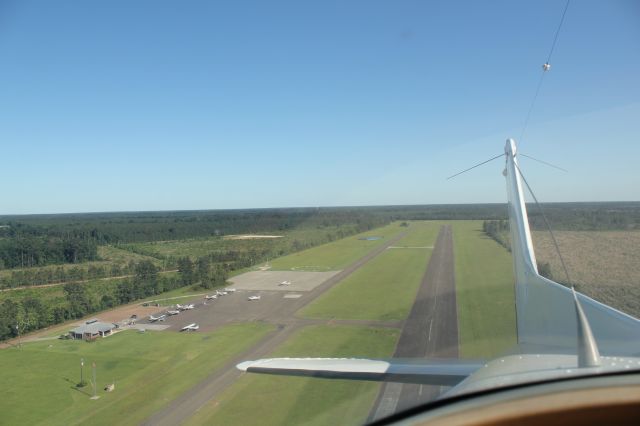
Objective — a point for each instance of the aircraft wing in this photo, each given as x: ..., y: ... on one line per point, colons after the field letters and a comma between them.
x: 544, y: 308
x: 435, y: 372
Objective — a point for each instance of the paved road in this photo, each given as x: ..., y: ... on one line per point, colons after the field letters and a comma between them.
x: 430, y: 331
x: 180, y: 409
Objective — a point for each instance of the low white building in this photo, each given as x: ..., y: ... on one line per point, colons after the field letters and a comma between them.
x: 92, y: 329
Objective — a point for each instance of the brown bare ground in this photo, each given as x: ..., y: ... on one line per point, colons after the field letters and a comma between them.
x: 604, y: 265
x: 250, y: 237
x: 125, y: 312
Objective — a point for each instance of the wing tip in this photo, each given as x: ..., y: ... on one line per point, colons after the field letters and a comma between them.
x: 245, y: 365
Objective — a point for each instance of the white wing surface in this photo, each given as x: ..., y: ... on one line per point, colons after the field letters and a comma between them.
x: 435, y: 372
x: 545, y: 309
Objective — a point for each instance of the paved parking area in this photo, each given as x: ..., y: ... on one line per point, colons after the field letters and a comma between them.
x: 271, y: 280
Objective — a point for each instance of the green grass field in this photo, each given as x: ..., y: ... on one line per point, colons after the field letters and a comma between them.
x: 384, y: 288
x: 150, y: 369
x: 277, y: 400
x: 484, y: 292
x: 335, y: 255
x: 421, y: 234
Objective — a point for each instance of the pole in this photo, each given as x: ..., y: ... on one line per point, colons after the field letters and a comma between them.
x: 81, y: 368
x: 95, y: 384
x: 18, y: 331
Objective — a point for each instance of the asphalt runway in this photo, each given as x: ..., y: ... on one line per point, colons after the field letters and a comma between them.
x: 430, y: 330
x: 274, y: 308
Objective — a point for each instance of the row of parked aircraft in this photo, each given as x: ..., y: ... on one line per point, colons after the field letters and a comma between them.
x: 186, y: 307
x: 220, y: 293
x: 172, y: 312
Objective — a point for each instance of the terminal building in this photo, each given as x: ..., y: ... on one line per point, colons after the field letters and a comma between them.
x: 92, y: 329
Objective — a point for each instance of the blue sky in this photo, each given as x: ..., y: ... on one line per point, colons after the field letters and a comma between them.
x: 156, y: 105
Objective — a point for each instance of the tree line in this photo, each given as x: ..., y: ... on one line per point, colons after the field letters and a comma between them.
x: 60, y: 274
x: 24, y: 251
x: 115, y: 228
x: 33, y: 312
x: 37, y: 240
x: 229, y: 258
x: 498, y: 230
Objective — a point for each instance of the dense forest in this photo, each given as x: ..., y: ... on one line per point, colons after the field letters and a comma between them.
x: 28, y: 250
x: 36, y: 240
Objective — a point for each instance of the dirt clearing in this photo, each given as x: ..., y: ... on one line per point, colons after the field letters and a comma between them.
x: 605, y: 265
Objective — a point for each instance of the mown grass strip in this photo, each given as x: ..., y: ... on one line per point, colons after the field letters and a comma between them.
x: 279, y: 400
x: 383, y: 289
x: 338, y: 254
x: 484, y: 292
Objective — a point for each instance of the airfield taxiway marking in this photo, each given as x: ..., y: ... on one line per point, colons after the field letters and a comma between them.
x: 430, y: 324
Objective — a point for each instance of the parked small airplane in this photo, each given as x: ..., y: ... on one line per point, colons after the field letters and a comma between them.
x: 230, y: 290
x: 154, y: 319
x: 190, y: 327
x: 188, y: 307
x: 285, y: 283
x: 214, y: 296
x: 253, y: 298
x: 221, y: 293
x: 173, y: 312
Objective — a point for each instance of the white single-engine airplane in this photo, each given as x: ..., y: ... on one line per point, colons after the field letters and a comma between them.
x: 561, y: 333
x: 190, y: 327
x: 154, y: 319
x: 253, y: 298
x: 173, y: 312
x: 214, y: 296
x: 230, y: 290
x: 285, y: 283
